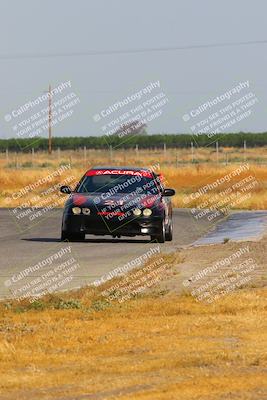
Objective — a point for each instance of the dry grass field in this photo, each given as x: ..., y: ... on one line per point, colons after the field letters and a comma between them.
x: 155, y: 346
x: 182, y: 170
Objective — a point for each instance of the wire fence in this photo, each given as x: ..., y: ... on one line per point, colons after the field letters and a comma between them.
x: 172, y: 157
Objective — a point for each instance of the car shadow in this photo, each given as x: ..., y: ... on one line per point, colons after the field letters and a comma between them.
x: 56, y: 240
x: 47, y: 240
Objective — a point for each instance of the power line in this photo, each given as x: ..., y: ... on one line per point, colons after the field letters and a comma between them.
x: 129, y: 51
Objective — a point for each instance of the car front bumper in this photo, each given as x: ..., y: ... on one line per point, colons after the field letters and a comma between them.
x: 99, y: 225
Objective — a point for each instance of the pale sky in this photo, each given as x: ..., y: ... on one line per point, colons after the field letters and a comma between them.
x: 187, y: 77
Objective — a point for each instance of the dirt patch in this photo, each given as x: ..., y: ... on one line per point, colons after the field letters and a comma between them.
x: 220, y: 259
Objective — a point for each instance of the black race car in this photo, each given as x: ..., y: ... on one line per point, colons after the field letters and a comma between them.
x: 119, y: 202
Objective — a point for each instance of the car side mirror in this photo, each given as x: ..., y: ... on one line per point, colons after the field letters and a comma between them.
x: 65, y: 189
x: 168, y: 192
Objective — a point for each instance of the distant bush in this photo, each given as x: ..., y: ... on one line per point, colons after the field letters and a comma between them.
x: 46, y: 165
x: 27, y: 164
x: 68, y: 304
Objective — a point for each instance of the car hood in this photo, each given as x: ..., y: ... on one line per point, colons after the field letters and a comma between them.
x: 101, y: 200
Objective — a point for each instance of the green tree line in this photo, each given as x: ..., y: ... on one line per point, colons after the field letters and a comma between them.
x: 146, y: 141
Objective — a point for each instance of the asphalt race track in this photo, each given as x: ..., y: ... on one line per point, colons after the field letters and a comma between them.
x: 24, y: 245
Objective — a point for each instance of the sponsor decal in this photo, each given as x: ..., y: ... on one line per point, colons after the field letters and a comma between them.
x: 110, y: 213
x: 144, y: 173
x: 78, y: 200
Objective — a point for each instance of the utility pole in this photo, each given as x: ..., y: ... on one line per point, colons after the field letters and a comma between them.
x: 192, y: 152
x: 49, y: 121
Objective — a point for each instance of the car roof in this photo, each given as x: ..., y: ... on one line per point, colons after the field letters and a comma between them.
x: 127, y: 168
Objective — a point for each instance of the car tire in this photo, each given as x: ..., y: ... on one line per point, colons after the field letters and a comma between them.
x: 161, y: 237
x: 169, y: 232
x: 72, y: 237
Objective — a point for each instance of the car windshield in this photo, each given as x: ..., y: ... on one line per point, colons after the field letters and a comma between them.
x: 117, y: 184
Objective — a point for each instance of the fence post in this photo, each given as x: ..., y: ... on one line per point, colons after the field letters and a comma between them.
x: 7, y: 155
x: 245, y: 150
x: 58, y: 153
x: 136, y: 151
x: 110, y: 153
x: 85, y: 155
x: 164, y: 150
x: 217, y: 152
x: 192, y: 151
x: 16, y: 160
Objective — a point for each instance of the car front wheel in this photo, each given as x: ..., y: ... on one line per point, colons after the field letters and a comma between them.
x: 161, y: 236
x: 169, y: 232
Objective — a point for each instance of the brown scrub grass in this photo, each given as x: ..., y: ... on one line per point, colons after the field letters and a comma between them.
x: 157, y: 345
x: 184, y: 176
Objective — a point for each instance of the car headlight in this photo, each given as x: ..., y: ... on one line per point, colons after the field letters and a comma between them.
x: 137, y: 212
x: 147, y: 212
x: 86, y: 211
x: 76, y: 210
